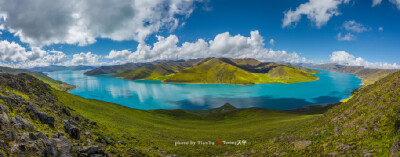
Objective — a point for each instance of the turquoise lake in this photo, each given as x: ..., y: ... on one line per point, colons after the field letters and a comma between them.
x: 142, y: 94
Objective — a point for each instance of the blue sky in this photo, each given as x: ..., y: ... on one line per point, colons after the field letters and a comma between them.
x: 375, y: 36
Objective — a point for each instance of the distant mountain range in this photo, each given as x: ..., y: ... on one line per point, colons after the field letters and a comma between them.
x: 367, y: 75
x: 53, y: 68
x: 218, y: 70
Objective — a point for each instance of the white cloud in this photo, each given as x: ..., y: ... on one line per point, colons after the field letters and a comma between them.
x: 344, y: 58
x: 12, y: 52
x: 223, y: 45
x: 272, y: 41
x: 14, y: 55
x: 346, y: 37
x: 353, y: 26
x: 380, y: 29
x: 376, y: 2
x: 396, y: 2
x: 43, y: 22
x: 318, y: 11
x: 85, y: 59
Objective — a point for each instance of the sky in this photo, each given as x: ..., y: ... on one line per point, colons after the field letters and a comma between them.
x: 92, y: 32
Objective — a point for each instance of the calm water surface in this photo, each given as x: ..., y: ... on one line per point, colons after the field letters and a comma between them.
x: 142, y: 94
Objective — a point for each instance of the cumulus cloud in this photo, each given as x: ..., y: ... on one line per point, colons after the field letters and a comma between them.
x: 346, y: 37
x: 13, y: 54
x: 317, y: 11
x: 85, y: 59
x: 353, y: 26
x: 344, y: 58
x: 223, y: 45
x: 43, y: 22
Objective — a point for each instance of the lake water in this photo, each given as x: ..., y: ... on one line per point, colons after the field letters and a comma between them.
x: 142, y: 94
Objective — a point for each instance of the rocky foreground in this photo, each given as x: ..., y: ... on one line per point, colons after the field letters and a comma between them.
x: 34, y: 123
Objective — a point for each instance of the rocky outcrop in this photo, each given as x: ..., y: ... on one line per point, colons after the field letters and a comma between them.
x: 32, y: 120
x: 41, y: 115
x: 70, y: 128
x: 92, y: 151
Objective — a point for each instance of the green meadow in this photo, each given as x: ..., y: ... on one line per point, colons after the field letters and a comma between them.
x: 162, y: 128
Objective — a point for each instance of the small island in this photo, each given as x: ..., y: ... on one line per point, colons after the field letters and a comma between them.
x: 220, y: 71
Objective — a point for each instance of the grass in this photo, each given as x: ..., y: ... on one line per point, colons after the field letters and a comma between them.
x: 162, y: 128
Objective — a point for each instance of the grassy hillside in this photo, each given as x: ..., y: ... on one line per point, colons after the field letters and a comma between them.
x: 59, y: 85
x: 162, y: 128
x: 366, y: 125
x: 221, y: 70
x: 153, y: 72
x: 367, y: 75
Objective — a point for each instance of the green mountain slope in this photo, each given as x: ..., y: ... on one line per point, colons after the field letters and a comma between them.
x: 366, y: 125
x: 53, y: 83
x: 221, y: 70
x: 155, y: 72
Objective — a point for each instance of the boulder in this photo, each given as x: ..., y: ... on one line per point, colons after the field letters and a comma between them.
x: 3, y: 108
x: 66, y: 112
x: 32, y: 136
x: 58, y: 147
x: 11, y: 135
x: 4, y: 118
x: 92, y: 151
x: 41, y: 115
x: 25, y: 123
x: 71, y: 129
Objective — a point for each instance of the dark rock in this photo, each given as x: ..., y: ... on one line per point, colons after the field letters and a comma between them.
x: 25, y: 123
x: 40, y: 135
x: 4, y: 118
x: 32, y: 136
x: 154, y: 147
x: 3, y: 108
x: 23, y: 137
x: 58, y: 147
x: 66, y: 112
x: 11, y: 135
x: 41, y: 115
x: 92, y: 151
x: 71, y: 129
x: 64, y: 148
x: 123, y: 143
x: 93, y: 123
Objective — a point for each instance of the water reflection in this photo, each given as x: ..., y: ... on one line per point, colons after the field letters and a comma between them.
x: 142, y: 94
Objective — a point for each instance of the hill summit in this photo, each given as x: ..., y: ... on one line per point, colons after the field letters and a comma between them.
x: 221, y: 70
